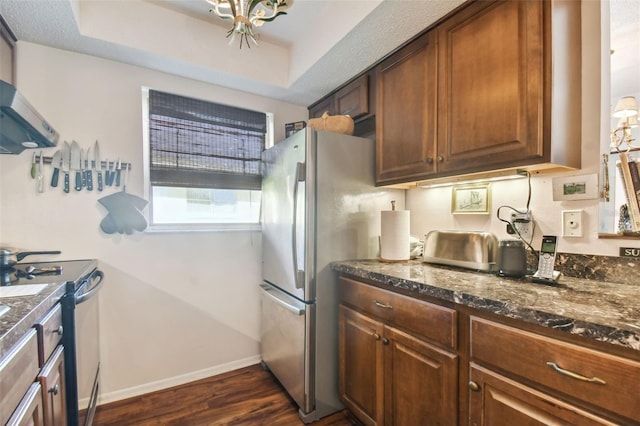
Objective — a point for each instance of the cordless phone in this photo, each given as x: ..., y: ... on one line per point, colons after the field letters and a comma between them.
x: 545, y: 273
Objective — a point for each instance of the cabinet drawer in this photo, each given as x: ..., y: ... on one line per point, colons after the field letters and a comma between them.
x: 29, y: 412
x: 594, y: 377
x: 18, y: 370
x: 428, y: 320
x: 49, y: 333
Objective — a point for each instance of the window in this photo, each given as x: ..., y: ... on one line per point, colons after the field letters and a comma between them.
x: 202, y: 163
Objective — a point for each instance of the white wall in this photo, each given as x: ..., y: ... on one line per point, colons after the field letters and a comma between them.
x: 430, y: 208
x: 175, y: 306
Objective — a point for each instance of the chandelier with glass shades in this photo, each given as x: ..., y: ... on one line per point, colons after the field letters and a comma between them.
x: 247, y: 14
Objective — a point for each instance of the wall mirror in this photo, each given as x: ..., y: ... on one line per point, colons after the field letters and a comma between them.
x: 624, y: 80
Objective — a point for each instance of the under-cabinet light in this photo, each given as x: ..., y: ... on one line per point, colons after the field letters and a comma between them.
x: 475, y: 178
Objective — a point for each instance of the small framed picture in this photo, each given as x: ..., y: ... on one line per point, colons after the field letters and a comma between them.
x: 583, y: 187
x: 471, y: 199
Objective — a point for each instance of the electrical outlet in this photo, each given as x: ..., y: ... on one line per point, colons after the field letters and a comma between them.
x: 572, y: 223
x: 521, y: 217
x: 524, y: 228
x: 522, y: 223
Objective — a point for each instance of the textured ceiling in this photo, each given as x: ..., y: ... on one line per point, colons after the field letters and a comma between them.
x: 301, y: 57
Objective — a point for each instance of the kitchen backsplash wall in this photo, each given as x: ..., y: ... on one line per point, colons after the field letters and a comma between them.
x: 599, y: 268
x: 586, y: 257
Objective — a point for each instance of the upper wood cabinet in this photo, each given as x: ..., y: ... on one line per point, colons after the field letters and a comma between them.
x: 7, y: 53
x: 475, y: 93
x: 406, y: 96
x: 491, y: 94
x: 351, y: 100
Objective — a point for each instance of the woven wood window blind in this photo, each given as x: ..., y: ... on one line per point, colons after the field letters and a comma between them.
x: 199, y: 144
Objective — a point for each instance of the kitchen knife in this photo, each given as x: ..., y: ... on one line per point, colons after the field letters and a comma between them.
x: 66, y: 164
x: 88, y: 170
x: 40, y: 173
x: 83, y: 176
x: 106, y: 173
x: 56, y: 163
x: 118, y: 168
x: 111, y: 174
x: 98, y: 165
x: 75, y: 164
x: 32, y: 172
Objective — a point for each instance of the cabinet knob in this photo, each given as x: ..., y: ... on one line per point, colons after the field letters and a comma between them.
x: 59, y: 330
x: 430, y: 160
x: 54, y: 390
x: 474, y: 386
x: 385, y: 341
x: 440, y: 158
x: 376, y: 336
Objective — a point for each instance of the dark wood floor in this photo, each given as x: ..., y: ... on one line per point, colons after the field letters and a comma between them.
x: 248, y: 396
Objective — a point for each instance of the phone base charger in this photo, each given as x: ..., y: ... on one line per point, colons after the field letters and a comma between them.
x: 546, y: 280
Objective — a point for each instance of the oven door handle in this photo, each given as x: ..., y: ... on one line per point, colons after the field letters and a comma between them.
x: 95, y: 286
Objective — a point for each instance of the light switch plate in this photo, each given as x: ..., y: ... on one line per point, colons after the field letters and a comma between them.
x: 572, y: 223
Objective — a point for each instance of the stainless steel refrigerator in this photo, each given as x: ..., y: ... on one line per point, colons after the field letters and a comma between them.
x: 319, y: 204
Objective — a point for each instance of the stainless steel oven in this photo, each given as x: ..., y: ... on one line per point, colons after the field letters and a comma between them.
x: 81, y: 340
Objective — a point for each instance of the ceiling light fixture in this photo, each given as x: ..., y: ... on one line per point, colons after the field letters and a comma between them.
x: 246, y: 14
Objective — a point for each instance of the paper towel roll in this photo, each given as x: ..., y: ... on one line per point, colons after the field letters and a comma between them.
x: 394, y: 235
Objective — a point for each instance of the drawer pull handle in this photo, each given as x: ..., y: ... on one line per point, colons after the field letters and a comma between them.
x: 382, y: 305
x: 576, y: 376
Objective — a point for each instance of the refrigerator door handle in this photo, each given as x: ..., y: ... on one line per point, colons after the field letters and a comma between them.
x: 299, y: 311
x: 300, y: 177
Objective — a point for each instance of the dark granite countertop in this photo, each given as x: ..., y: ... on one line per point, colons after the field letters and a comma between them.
x: 24, y: 311
x: 604, y: 311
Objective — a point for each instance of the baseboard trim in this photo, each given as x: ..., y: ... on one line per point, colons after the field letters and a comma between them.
x: 106, y: 398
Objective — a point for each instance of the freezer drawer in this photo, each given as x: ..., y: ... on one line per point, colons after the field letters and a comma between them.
x: 285, y: 348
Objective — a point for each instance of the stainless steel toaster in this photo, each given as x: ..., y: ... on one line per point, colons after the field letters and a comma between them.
x: 466, y: 249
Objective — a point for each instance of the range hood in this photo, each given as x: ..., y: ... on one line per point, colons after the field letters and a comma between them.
x: 21, y: 126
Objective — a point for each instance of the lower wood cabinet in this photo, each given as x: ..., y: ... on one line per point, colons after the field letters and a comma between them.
x: 361, y: 365
x: 18, y: 369
x: 405, y: 361
x: 592, y: 380
x: 32, y: 390
x: 420, y: 381
x: 390, y: 376
x: 498, y: 401
x: 29, y: 411
x: 51, y: 379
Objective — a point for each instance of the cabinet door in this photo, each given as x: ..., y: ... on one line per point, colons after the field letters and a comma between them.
x: 353, y: 99
x: 325, y: 105
x: 495, y: 400
x: 406, y: 113
x: 361, y: 378
x: 51, y: 379
x: 491, y: 83
x: 421, y: 382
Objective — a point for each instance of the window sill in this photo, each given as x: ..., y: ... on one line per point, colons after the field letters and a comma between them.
x: 208, y: 227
